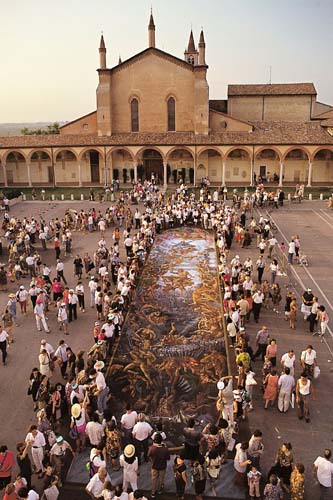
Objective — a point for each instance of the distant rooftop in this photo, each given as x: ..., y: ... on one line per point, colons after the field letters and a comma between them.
x: 272, y: 89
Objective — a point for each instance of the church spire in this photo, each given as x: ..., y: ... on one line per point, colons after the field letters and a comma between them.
x: 191, y: 53
x: 102, y: 53
x: 151, y: 30
x: 191, y: 46
x: 202, y: 49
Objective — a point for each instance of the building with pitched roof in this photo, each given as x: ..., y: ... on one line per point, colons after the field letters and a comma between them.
x: 154, y: 116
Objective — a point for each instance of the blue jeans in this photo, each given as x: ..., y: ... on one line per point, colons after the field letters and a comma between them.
x: 101, y: 400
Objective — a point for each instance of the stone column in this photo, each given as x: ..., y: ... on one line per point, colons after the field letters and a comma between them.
x: 29, y: 173
x: 281, y: 174
x: 309, y: 184
x: 165, y: 174
x: 224, y: 165
x: 4, y: 171
x: 80, y: 173
x: 195, y: 164
x: 135, y: 167
x: 252, y: 171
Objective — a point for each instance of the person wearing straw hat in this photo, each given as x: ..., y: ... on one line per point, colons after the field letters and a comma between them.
x: 102, y: 389
x: 11, y: 304
x: 78, y: 424
x: 129, y: 462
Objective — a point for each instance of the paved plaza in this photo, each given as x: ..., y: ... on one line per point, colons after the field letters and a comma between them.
x: 311, y: 221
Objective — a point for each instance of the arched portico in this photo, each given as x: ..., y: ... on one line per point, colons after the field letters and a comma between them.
x: 210, y: 164
x: 297, y: 166
x: 121, y: 165
x: 41, y: 168
x: 15, y: 169
x: 66, y: 169
x: 180, y: 164
x: 238, y: 166
x: 151, y: 165
x: 322, y: 167
x: 267, y: 163
x: 91, y: 167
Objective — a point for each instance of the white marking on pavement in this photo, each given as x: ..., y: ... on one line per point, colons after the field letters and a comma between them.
x: 327, y: 214
x: 310, y: 276
x: 331, y: 225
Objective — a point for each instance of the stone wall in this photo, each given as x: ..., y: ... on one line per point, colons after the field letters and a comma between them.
x: 271, y: 108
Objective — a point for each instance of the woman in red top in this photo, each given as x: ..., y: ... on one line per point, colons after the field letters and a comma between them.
x: 10, y: 493
x: 57, y: 289
x: 6, y: 466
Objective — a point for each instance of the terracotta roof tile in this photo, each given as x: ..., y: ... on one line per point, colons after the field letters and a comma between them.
x: 272, y: 89
x: 263, y: 133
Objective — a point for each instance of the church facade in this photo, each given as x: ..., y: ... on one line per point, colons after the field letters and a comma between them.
x: 154, y: 116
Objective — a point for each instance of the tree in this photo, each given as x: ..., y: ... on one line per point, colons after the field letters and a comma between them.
x: 52, y: 129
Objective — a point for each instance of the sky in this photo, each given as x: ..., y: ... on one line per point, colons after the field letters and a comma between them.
x: 49, y: 49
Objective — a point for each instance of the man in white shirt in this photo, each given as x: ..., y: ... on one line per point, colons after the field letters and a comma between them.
x: 291, y: 251
x: 48, y: 347
x: 36, y: 439
x: 72, y: 305
x: 40, y: 316
x: 26, y: 494
x: 61, y: 353
x: 141, y: 433
x: 271, y: 245
x: 96, y: 484
x: 323, y: 470
x: 309, y: 360
x: 288, y: 361
x: 286, y: 385
x: 94, y: 430
x: 128, y: 421
x: 102, y: 390
x: 60, y: 271
x: 93, y: 284
x: 31, y: 265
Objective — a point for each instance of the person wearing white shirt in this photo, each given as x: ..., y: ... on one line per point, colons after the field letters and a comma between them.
x: 291, y: 251
x: 48, y: 347
x: 94, y: 430
x: 4, y: 337
x: 40, y: 317
x: 323, y: 469
x: 288, y: 361
x: 60, y: 271
x: 92, y: 285
x: 96, y: 484
x: 36, y: 439
x: 286, y: 385
x: 141, y: 433
x: 102, y: 389
x: 309, y: 360
x: 63, y: 318
x: 72, y: 305
x: 271, y: 245
x: 128, y: 421
x: 26, y: 494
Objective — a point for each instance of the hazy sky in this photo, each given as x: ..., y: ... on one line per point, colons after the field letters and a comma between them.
x: 49, y: 48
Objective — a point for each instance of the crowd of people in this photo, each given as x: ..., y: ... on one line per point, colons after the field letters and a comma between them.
x: 105, y: 282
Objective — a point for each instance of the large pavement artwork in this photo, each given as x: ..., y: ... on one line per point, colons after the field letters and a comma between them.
x: 172, y: 351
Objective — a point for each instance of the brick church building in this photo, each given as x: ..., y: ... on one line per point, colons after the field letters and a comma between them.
x: 153, y: 115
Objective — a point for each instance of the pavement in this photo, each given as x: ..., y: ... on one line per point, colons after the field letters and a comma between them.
x: 312, y: 221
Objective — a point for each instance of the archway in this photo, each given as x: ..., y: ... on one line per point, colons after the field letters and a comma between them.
x: 152, y: 163
x: 180, y: 164
x: 92, y: 167
x: 66, y: 171
x: 41, y: 169
x: 122, y: 166
x: 296, y: 166
x: 16, y: 169
x: 267, y: 166
x: 210, y: 164
x: 322, y: 170
x: 238, y: 167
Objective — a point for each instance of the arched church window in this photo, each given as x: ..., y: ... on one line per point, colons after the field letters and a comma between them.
x: 171, y: 114
x: 135, y: 115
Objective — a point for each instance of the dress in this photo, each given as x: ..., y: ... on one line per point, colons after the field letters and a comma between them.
x: 273, y: 492
x: 271, y: 387
x: 180, y: 483
x: 297, y: 485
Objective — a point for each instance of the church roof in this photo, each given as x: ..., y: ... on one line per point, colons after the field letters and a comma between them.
x: 264, y: 133
x: 272, y: 89
x: 144, y: 53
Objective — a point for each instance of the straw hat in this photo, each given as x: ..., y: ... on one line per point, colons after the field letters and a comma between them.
x: 12, y: 295
x: 129, y: 451
x: 76, y: 410
x: 99, y: 365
